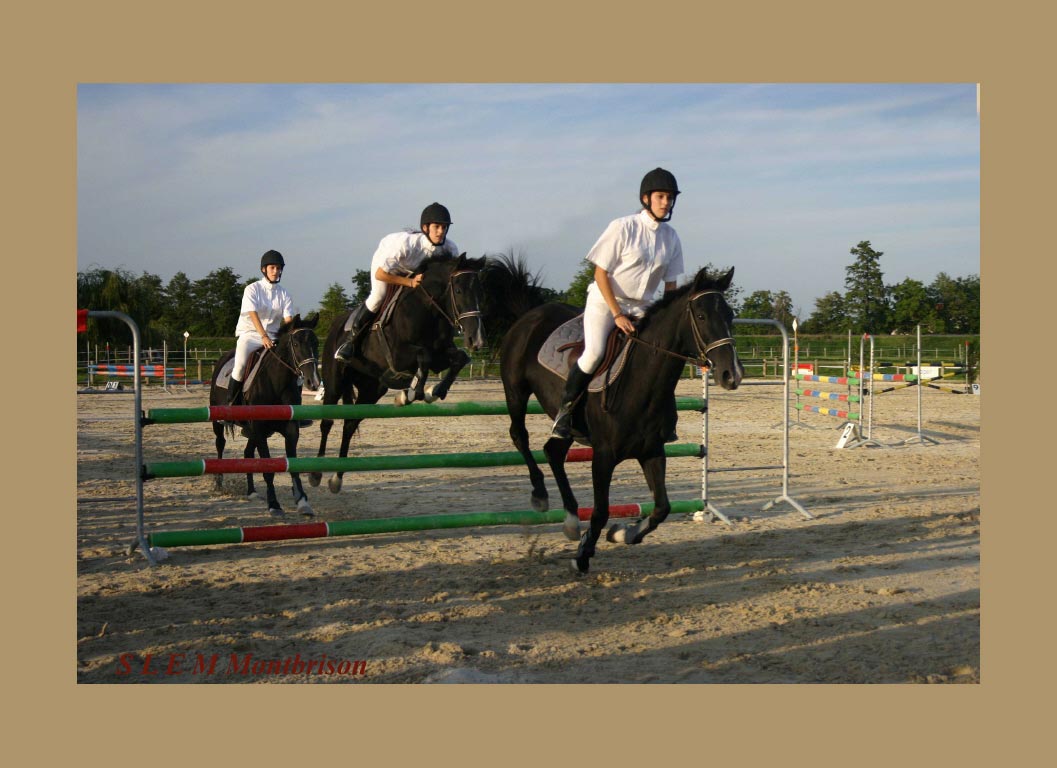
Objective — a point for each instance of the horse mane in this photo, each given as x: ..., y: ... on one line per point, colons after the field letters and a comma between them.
x: 702, y: 282
x: 509, y: 289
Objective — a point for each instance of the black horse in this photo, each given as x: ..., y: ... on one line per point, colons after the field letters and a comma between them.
x: 693, y: 321
x: 418, y: 339
x: 291, y: 362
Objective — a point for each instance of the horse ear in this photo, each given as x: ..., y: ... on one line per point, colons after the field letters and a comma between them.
x: 461, y: 260
x: 699, y: 280
x: 311, y: 320
x: 725, y: 280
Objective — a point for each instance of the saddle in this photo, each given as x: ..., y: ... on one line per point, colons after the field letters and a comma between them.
x: 564, y: 346
x: 252, y: 366
x: 393, y: 293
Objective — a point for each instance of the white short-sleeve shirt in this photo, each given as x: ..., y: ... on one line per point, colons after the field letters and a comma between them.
x: 403, y: 252
x: 270, y: 301
x: 639, y: 253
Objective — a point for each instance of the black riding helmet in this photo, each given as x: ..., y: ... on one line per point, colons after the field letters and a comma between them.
x: 659, y: 180
x: 435, y: 213
x: 272, y: 257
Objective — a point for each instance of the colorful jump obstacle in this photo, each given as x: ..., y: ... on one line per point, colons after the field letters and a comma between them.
x: 374, y: 463
x: 151, y: 544
x: 144, y: 370
x: 866, y: 377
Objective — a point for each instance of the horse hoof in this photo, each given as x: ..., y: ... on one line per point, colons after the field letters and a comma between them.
x: 305, y: 508
x: 315, y: 478
x: 253, y: 496
x: 277, y: 512
x: 571, y: 527
x: 617, y: 534
x: 429, y: 397
x: 540, y: 503
x: 401, y: 398
x: 580, y: 566
x: 334, y: 484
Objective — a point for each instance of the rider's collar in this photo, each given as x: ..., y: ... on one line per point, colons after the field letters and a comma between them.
x: 648, y: 219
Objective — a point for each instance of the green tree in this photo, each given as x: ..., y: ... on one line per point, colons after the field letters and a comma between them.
x: 217, y: 300
x: 957, y: 303
x: 178, y: 313
x: 911, y: 305
x: 782, y: 309
x: 361, y: 281
x: 119, y: 290
x: 758, y: 305
x: 829, y: 315
x: 865, y: 298
x: 334, y: 302
x: 576, y: 294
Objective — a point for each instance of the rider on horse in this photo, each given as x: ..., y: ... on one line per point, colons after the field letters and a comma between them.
x: 633, y: 255
x: 265, y: 306
x: 397, y: 257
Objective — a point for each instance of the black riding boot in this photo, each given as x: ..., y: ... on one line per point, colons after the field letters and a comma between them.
x: 235, y: 392
x: 575, y: 386
x: 361, y: 321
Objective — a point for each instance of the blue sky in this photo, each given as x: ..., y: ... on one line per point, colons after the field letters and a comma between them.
x: 779, y: 181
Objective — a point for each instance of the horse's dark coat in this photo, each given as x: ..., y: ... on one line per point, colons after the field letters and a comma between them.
x: 417, y: 340
x: 296, y: 348
x: 636, y: 415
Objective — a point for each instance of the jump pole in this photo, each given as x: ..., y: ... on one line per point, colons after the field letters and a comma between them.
x: 280, y: 464
x: 239, y: 413
x: 396, y: 525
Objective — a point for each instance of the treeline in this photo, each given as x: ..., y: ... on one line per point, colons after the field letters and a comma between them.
x: 209, y: 308
x: 948, y: 305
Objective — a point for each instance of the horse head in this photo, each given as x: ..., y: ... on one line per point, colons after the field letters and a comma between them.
x: 299, y: 348
x: 711, y: 323
x: 459, y: 298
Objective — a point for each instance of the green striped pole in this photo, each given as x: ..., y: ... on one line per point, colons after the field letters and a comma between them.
x: 416, y: 410
x: 200, y: 467
x: 396, y: 525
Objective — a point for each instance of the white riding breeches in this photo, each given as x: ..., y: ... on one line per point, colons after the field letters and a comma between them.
x: 246, y: 344
x: 598, y: 322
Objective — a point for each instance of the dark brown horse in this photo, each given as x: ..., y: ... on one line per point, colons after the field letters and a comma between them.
x: 690, y: 322
x: 418, y: 339
x: 283, y: 370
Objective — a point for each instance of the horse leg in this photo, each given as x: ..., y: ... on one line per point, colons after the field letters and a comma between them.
x: 218, y: 430
x: 325, y: 425
x: 556, y: 450
x: 457, y: 360
x: 417, y: 390
x: 517, y: 406
x: 602, y: 467
x: 292, y: 432
x: 274, y: 506
x: 653, y: 467
x: 251, y: 492
x: 369, y: 394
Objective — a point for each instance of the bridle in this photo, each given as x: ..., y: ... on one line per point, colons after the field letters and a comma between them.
x: 459, y: 316
x: 295, y: 369
x: 703, y: 349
